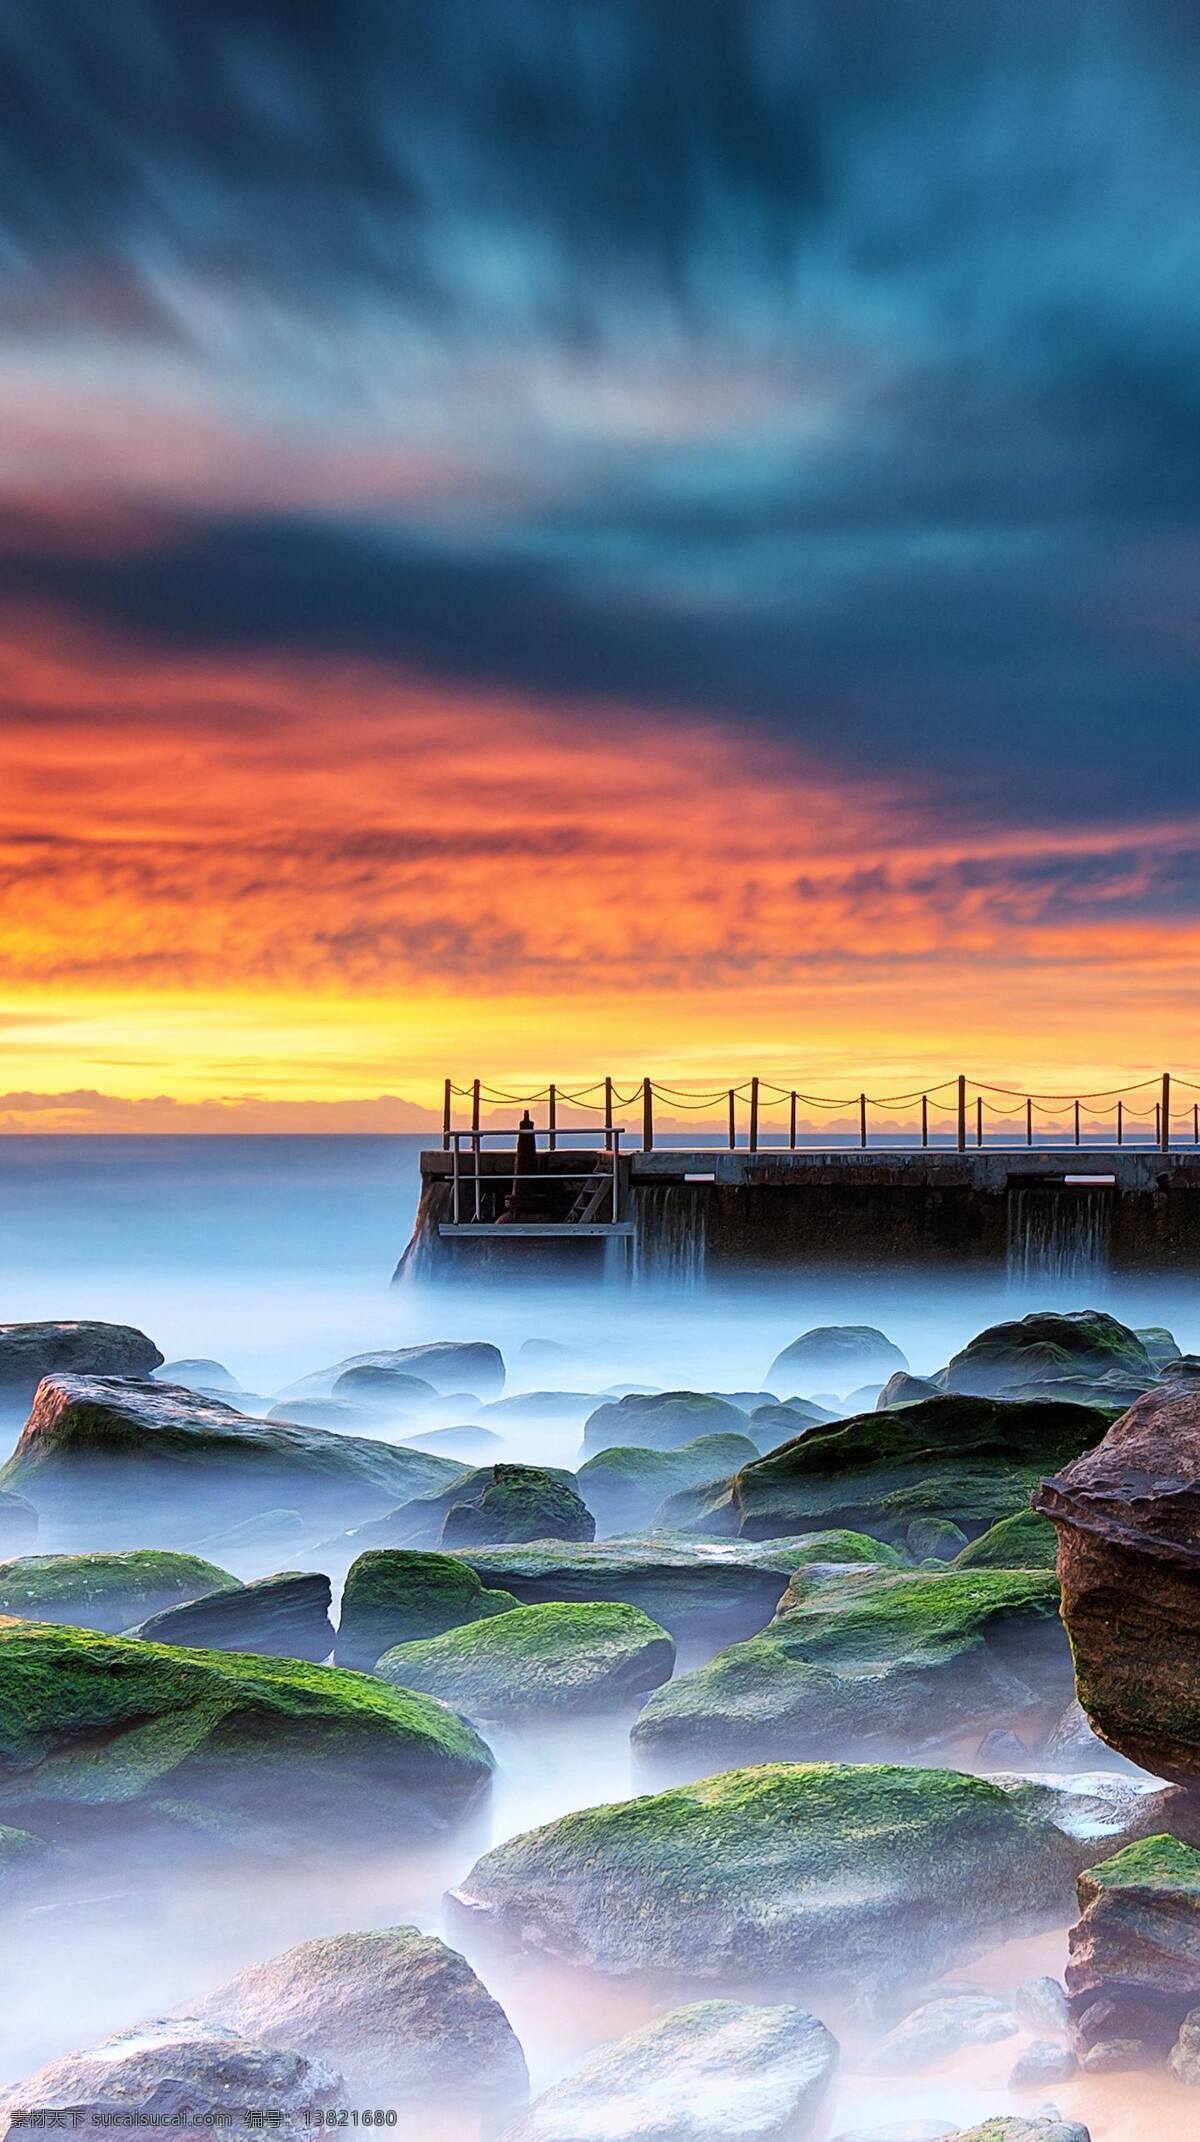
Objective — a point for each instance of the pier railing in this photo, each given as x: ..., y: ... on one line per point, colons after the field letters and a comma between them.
x: 1161, y: 1111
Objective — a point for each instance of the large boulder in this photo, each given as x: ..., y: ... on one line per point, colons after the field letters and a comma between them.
x: 286, y: 1616
x: 660, y: 1420
x: 696, y: 1591
x: 1044, y: 1347
x: 972, y: 1460
x: 450, y: 1365
x: 538, y: 1660
x: 30, y: 1351
x: 866, y: 1661
x: 624, y: 1485
x: 254, y: 1752
x: 517, y: 1502
x: 837, y: 1873
x: 196, y: 1373
x: 106, y: 1591
x: 112, y: 1463
x: 403, y: 2017
x: 188, y: 2077
x: 836, y: 1357
x: 393, y: 1595
x: 1128, y: 1521
x: 1134, y: 1971
x: 386, y: 1388
x: 713, y: 2072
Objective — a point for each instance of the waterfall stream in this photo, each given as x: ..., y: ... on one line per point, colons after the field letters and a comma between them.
x: 672, y: 1235
x: 1059, y: 1230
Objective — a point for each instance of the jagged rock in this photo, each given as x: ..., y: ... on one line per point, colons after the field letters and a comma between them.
x: 623, y: 1486
x: 180, y: 2074
x: 971, y: 1460
x: 448, y: 1364
x: 870, y: 1661
x: 716, y: 2071
x: 836, y: 1871
x: 195, y: 1373
x: 1134, y: 1969
x: 1046, y: 1346
x: 695, y: 1590
x: 119, y: 1463
x: 1128, y: 1522
x: 1042, y: 2003
x: 517, y: 1502
x: 662, y: 1421
x: 285, y: 1616
x: 394, y: 1596
x: 1042, y: 2063
x: 254, y: 1752
x: 30, y: 1351
x: 538, y: 1661
x: 940, y: 2028
x: 106, y: 1591
x: 18, y: 1526
x: 1184, y: 2061
x: 840, y: 1355
x: 399, y: 2013
x: 1025, y: 1541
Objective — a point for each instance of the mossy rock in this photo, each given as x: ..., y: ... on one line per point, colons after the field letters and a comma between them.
x: 862, y: 1661
x: 1025, y: 1541
x: 1161, y: 1345
x: 395, y: 1595
x: 519, y: 1502
x: 1047, y: 1345
x: 624, y: 1485
x: 106, y: 1591
x: 831, y: 1871
x: 662, y: 1420
x: 694, y: 1590
x: 123, y: 1464
x: 969, y: 1460
x: 252, y: 1751
x: 538, y: 1660
x: 1019, y: 2130
x: 934, y: 1539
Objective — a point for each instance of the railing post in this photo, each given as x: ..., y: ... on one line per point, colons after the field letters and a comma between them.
x: 608, y: 1122
x: 1028, y: 1122
x: 457, y: 1166
x: 1120, y: 1122
x: 754, y: 1115
x: 979, y: 1119
x: 1158, y: 1123
x: 732, y: 1122
x: 1165, y: 1126
x: 924, y: 1119
x: 552, y: 1119
x: 862, y: 1119
x: 1076, y: 1122
x: 446, y: 1117
x: 792, y: 1126
x: 962, y: 1113
x: 1196, y: 1122
x: 475, y: 1111
x: 616, y: 1179
x: 647, y: 1116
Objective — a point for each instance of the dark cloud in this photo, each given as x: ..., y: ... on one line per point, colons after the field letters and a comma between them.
x: 833, y: 365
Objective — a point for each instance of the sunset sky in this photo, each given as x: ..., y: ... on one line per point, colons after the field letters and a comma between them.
x: 584, y: 536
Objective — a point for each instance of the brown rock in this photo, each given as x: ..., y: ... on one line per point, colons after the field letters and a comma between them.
x: 1128, y: 1520
x: 1134, y: 1970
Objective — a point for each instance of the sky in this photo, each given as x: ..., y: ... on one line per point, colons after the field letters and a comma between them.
x: 593, y: 536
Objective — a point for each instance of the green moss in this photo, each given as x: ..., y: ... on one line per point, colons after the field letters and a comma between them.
x: 1046, y: 1345
x: 625, y: 1484
x: 934, y: 1539
x: 1025, y: 1541
x: 520, y: 1502
x: 396, y: 1595
x: 90, y: 1720
x: 540, y: 1658
x: 867, y: 1658
x: 106, y: 1591
x: 1159, y: 1864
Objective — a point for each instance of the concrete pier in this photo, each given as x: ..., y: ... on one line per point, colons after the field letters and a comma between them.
x: 698, y: 1211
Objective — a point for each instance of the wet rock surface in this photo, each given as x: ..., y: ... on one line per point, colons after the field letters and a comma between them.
x: 716, y: 2071
x: 30, y: 1351
x: 1047, y: 1346
x: 1127, y: 1516
x: 179, y: 2074
x: 145, y: 1463
x: 106, y: 1591
x: 396, y: 2010
x: 1134, y: 1971
x: 399, y: 1596
x: 286, y: 1616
